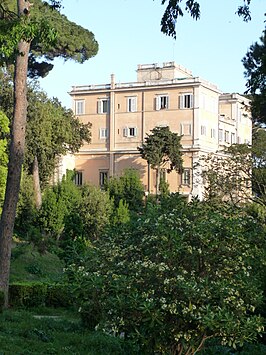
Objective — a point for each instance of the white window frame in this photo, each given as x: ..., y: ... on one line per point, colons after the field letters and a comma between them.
x: 227, y: 136
x: 186, y: 101
x: 104, y: 133
x: 130, y: 132
x: 132, y: 104
x: 100, y: 106
x: 186, y: 177
x: 79, y: 107
x: 233, y: 138
x: 162, y: 102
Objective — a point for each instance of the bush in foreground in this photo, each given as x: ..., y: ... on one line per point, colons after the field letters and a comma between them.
x: 175, y: 278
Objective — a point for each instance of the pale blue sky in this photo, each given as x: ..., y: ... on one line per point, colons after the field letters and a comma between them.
x: 128, y: 33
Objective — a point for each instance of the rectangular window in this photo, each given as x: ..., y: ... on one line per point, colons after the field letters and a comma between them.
x: 103, y: 133
x: 78, y: 179
x: 103, y: 106
x: 185, y: 101
x: 203, y: 130
x: 226, y: 136
x: 103, y: 177
x: 186, y: 177
x: 213, y: 133
x: 132, y: 104
x: 186, y: 129
x: 130, y: 132
x: 80, y: 107
x: 162, y: 102
x: 233, y: 138
x: 221, y: 133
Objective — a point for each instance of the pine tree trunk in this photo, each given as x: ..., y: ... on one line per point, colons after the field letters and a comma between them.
x: 36, y: 184
x: 16, y: 156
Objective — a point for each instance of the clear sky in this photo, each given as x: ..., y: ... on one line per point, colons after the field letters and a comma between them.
x: 128, y: 33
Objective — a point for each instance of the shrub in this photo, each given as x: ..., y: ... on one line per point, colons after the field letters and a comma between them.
x: 128, y: 188
x: 27, y: 294
x: 58, y: 295
x: 39, y: 294
x: 173, y: 279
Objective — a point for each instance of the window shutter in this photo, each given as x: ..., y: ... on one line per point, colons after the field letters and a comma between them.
x: 99, y: 106
x: 181, y: 101
x: 108, y: 106
x: 136, y: 132
x: 134, y: 104
x: 167, y: 102
x: 125, y: 132
x: 191, y: 101
x: 157, y: 103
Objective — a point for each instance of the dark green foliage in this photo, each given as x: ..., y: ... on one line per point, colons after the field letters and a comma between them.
x: 27, y: 294
x: 52, y: 35
x: 255, y: 72
x: 174, y: 10
x: 33, y: 294
x: 25, y: 223
x: 162, y: 149
x: 162, y: 146
x: 128, y: 188
x: 52, y: 131
x: 259, y: 163
x: 176, y: 277
x: 53, y: 331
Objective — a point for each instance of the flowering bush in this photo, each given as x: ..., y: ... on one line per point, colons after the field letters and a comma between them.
x: 175, y: 278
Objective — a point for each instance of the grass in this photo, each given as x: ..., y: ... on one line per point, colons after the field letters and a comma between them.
x: 27, y: 264
x: 22, y: 333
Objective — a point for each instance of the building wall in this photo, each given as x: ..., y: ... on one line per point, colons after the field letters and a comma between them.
x: 122, y: 114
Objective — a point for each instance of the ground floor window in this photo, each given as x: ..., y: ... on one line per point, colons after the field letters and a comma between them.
x: 103, y: 177
x: 78, y: 179
x: 186, y: 177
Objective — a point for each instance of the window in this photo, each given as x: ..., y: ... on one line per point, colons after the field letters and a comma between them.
x: 103, y: 133
x: 203, y: 130
x: 162, y: 102
x: 226, y: 136
x: 79, y: 107
x: 186, y: 177
x: 221, y: 132
x: 130, y: 132
x: 186, y: 129
x: 103, y: 177
x: 78, y: 178
x: 132, y: 104
x: 233, y: 138
x: 103, y: 106
x: 186, y: 101
x: 213, y: 133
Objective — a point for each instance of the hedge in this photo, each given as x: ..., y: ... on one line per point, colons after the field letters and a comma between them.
x: 32, y: 294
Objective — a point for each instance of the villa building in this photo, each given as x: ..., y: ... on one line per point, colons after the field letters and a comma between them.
x: 122, y: 114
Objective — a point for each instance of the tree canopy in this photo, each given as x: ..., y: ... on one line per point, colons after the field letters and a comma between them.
x: 70, y: 41
x: 176, y: 8
x: 162, y: 148
x: 255, y: 72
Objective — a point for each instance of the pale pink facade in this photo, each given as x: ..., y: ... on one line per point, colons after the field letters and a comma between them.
x: 163, y: 95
